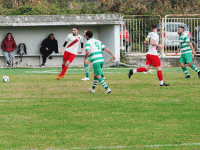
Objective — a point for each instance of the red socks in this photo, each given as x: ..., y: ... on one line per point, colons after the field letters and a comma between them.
x: 141, y: 69
x: 160, y: 76
x: 63, y: 71
x: 63, y: 66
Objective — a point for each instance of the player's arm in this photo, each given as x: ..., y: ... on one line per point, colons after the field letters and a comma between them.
x: 178, y: 50
x: 87, y: 53
x: 107, y: 50
x: 146, y: 41
x: 153, y: 42
x: 192, y: 48
x: 63, y: 47
x: 81, y: 49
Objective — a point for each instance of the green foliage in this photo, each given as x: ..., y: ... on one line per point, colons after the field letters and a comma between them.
x: 24, y: 10
x: 7, y: 4
x: 129, y: 7
x: 90, y: 8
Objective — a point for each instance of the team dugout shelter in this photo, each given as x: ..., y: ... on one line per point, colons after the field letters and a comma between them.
x: 32, y: 30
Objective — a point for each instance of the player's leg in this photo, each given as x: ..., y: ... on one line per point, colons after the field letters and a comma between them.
x: 68, y: 58
x: 101, y: 80
x: 188, y: 58
x: 194, y: 68
x: 98, y: 71
x: 65, y: 58
x: 62, y: 74
x: 63, y: 64
x: 94, y: 84
x: 141, y: 69
x: 102, y: 75
x: 88, y: 61
x: 157, y: 63
x: 182, y: 65
x: 185, y: 70
x: 160, y: 76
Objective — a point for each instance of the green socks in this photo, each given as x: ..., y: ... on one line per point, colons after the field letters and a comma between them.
x: 103, y: 83
x: 94, y: 83
x: 185, y: 71
x: 87, y: 70
x: 194, y: 68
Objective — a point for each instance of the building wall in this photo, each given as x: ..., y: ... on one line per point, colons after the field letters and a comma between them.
x: 109, y: 35
x: 32, y: 36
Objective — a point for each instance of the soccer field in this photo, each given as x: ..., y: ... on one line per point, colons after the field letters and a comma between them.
x: 40, y: 112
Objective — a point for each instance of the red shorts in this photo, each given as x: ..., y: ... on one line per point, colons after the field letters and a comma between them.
x: 68, y: 56
x: 153, y: 60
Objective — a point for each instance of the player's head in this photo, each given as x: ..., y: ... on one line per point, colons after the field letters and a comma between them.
x: 154, y: 27
x: 85, y: 33
x: 75, y: 31
x: 51, y: 36
x: 180, y: 30
x: 89, y: 34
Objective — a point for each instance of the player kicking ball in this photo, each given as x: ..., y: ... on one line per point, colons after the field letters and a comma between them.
x: 187, y: 50
x: 94, y: 49
x: 152, y: 56
x: 72, y: 41
x: 86, y: 65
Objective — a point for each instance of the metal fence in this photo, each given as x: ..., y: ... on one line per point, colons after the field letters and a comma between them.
x: 191, y: 24
x: 133, y: 31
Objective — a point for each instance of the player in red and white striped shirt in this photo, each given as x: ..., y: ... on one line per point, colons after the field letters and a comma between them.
x: 152, y: 58
x: 72, y: 44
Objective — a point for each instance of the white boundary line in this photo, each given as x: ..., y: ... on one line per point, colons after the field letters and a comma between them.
x: 71, y: 71
x: 145, y: 146
x: 17, y: 100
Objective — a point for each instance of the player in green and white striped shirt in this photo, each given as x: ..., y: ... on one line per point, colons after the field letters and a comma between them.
x: 86, y: 65
x: 187, y: 50
x: 94, y: 48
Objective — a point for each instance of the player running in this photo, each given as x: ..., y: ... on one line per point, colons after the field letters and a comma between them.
x: 72, y: 41
x: 94, y: 48
x: 187, y: 50
x: 86, y: 65
x: 152, y: 56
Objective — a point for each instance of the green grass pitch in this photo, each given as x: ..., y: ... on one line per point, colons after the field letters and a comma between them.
x: 39, y: 112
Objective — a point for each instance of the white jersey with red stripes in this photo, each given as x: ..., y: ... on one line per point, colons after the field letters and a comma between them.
x: 152, y: 50
x: 73, y: 43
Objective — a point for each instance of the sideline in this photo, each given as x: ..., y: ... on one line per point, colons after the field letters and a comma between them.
x: 145, y: 146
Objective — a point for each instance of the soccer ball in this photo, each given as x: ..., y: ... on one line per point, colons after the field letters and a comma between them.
x: 5, y: 79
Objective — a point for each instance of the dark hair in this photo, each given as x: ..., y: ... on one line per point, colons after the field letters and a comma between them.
x: 154, y: 26
x: 89, y: 34
x: 181, y: 27
x: 50, y: 35
x: 76, y: 28
x: 8, y: 34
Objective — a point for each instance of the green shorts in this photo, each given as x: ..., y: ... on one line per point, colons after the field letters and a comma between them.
x: 186, y: 58
x: 98, y: 68
x: 89, y: 59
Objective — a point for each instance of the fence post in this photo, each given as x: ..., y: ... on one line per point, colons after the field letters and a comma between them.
x: 162, y: 33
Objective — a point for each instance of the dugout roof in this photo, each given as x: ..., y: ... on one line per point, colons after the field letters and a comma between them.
x: 56, y: 20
